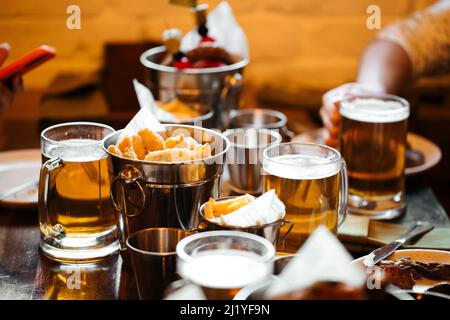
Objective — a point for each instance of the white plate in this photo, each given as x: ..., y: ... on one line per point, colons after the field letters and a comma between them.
x: 430, y: 150
x: 19, y: 167
x: 420, y: 256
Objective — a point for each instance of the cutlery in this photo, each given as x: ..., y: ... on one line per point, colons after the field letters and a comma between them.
x: 414, y: 231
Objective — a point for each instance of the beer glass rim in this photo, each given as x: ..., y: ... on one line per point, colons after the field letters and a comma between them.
x: 70, y: 124
x: 224, y: 233
x: 154, y: 253
x: 336, y: 158
x: 404, y: 104
x: 271, y: 132
x: 280, y: 123
x: 376, y: 95
x: 194, y: 71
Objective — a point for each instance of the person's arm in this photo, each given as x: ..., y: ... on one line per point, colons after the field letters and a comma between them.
x: 10, y: 87
x: 416, y: 46
x: 385, y: 66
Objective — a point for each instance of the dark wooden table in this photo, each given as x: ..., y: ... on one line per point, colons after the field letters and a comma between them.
x: 27, y: 274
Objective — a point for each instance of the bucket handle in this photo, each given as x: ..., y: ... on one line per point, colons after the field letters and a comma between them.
x: 129, y: 176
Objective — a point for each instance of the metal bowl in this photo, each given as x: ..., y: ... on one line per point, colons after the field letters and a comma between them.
x: 269, y: 231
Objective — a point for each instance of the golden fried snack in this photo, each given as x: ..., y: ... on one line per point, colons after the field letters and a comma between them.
x: 181, y: 142
x: 202, y: 151
x: 215, y: 209
x: 189, y: 143
x: 130, y: 154
x: 181, y: 154
x: 124, y: 144
x: 138, y: 147
x: 115, y: 149
x: 150, y: 146
x: 170, y: 155
x: 152, y: 141
x: 172, y: 142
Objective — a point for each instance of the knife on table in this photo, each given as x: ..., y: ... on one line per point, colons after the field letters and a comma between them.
x: 414, y: 231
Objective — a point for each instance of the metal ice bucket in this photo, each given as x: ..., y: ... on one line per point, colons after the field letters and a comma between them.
x: 218, y: 88
x: 151, y: 194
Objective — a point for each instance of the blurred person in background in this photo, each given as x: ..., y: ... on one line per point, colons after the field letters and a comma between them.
x: 9, y: 87
x: 416, y: 46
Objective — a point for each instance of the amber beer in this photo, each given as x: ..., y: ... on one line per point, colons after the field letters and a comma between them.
x: 77, y: 218
x: 373, y: 143
x: 307, y: 178
x: 80, y: 202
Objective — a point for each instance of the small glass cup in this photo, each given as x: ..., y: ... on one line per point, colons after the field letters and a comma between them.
x: 76, y: 216
x: 223, y: 262
x: 311, y: 180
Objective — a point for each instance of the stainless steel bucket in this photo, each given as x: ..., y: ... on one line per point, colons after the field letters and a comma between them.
x: 219, y: 88
x: 151, y: 194
x: 269, y: 231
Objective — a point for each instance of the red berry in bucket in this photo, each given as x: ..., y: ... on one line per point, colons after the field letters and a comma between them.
x: 207, y: 39
x: 184, y: 63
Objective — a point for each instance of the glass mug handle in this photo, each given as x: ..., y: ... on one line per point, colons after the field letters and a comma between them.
x: 343, y: 194
x: 56, y: 231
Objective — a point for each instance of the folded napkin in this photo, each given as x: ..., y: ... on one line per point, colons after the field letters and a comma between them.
x: 359, y: 234
x: 223, y: 27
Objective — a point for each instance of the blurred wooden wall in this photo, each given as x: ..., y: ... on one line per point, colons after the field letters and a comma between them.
x: 293, y: 43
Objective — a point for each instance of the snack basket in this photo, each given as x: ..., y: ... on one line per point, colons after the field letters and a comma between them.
x: 151, y: 194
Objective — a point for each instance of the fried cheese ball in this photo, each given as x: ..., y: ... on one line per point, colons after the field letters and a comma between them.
x: 181, y: 142
x: 150, y: 146
x: 170, y: 155
x: 152, y: 140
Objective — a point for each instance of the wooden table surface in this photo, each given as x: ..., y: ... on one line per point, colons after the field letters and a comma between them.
x: 27, y: 274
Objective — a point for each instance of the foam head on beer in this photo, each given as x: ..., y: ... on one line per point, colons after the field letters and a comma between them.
x: 374, y: 110
x: 302, y: 166
x: 221, y: 273
x: 226, y: 268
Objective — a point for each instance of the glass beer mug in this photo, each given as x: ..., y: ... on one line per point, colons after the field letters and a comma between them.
x: 311, y: 180
x: 373, y: 142
x: 76, y: 216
